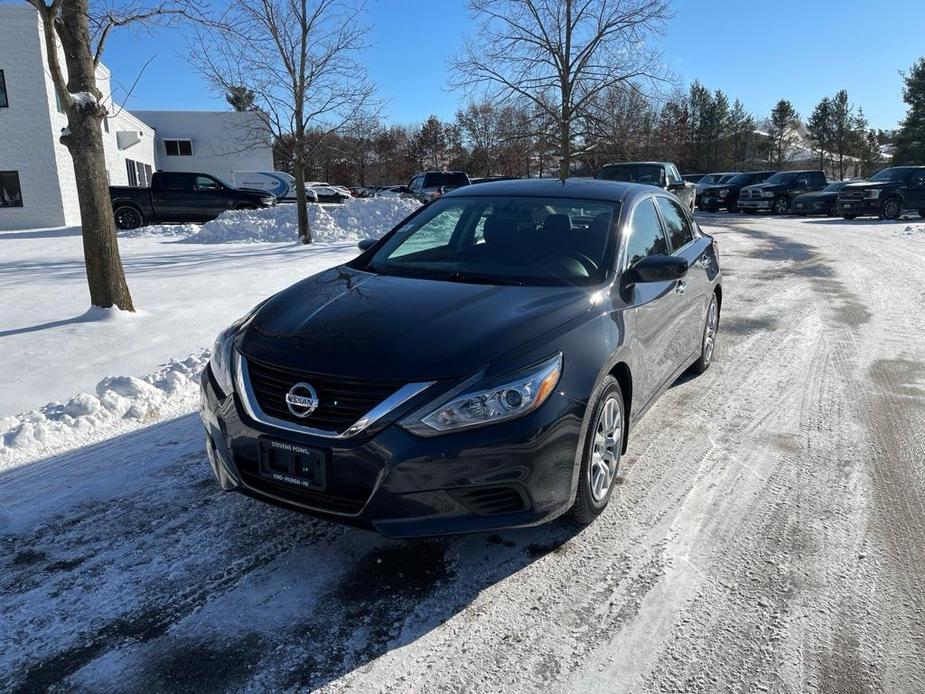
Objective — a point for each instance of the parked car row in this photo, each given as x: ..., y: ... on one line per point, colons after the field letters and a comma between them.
x: 888, y: 194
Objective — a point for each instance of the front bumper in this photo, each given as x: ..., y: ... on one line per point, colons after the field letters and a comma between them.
x: 859, y: 207
x: 506, y: 475
x: 755, y: 204
x: 713, y: 203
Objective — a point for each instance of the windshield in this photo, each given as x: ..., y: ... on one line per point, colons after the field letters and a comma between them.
x: 741, y: 179
x: 726, y: 178
x: 895, y: 174
x: 834, y: 187
x: 503, y: 240
x: 632, y: 173
x: 445, y: 180
x: 782, y: 177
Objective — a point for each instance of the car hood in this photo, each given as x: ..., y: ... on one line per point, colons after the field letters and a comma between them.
x: 816, y: 195
x: 354, y: 324
x: 862, y: 185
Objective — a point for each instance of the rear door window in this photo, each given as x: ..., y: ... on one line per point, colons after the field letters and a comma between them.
x: 646, y: 234
x: 679, y: 228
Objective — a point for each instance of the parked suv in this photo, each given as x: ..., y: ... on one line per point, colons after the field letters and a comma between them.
x: 726, y: 195
x: 181, y: 197
x: 777, y: 192
x: 888, y: 194
x: 430, y: 185
x: 479, y: 367
x: 662, y: 174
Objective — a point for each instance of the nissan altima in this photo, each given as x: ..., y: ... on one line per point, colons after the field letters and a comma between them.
x: 479, y: 367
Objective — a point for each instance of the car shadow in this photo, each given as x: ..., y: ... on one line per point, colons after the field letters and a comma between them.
x: 129, y: 569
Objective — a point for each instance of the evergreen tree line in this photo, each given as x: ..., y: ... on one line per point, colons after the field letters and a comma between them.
x: 700, y: 130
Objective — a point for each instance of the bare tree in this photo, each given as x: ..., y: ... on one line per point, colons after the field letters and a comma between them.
x: 298, y: 57
x: 75, y: 38
x: 559, y: 54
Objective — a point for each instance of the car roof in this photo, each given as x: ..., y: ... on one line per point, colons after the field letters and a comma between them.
x: 580, y: 188
x: 632, y: 163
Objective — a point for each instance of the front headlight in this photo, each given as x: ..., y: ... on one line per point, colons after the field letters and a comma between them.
x: 221, y: 360
x: 723, y: 192
x: 767, y: 194
x: 487, y: 403
x: 872, y: 194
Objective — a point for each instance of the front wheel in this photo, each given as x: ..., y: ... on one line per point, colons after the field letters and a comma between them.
x: 833, y: 209
x: 922, y: 214
x: 600, y: 459
x: 849, y: 216
x: 128, y: 217
x: 892, y: 209
x: 781, y: 206
x: 708, y: 342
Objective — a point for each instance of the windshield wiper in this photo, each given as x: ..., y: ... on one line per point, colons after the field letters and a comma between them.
x: 476, y: 278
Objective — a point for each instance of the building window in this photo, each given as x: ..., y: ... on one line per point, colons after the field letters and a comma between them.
x: 179, y: 148
x: 132, y: 173
x: 4, y: 101
x: 10, y: 192
x: 148, y: 172
x: 106, y: 125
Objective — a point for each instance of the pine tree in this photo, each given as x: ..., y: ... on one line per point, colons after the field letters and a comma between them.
x: 784, y: 123
x: 910, y: 138
x: 819, y: 127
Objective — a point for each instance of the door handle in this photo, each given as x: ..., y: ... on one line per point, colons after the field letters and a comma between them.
x: 681, y: 288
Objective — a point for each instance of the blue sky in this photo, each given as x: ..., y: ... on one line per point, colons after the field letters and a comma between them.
x: 756, y: 51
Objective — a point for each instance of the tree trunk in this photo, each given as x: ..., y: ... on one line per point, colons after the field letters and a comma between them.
x: 84, y: 141
x: 565, y: 149
x: 301, y: 203
x: 105, y: 275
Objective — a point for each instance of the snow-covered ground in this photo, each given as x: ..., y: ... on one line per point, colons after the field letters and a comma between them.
x: 72, y: 375
x: 768, y: 533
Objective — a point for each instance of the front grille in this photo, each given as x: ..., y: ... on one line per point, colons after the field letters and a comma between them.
x: 851, y: 195
x: 756, y: 195
x: 488, y: 501
x: 341, y: 401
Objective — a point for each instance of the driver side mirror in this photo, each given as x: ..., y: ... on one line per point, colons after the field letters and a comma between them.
x: 662, y: 180
x: 656, y: 268
x: 366, y: 244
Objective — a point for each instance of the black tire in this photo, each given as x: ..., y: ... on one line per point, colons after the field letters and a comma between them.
x: 246, y: 206
x: 589, y: 505
x: 732, y: 209
x: 128, y: 217
x: 849, y: 216
x: 833, y: 209
x: 710, y: 331
x: 922, y: 214
x: 780, y: 206
x: 892, y: 208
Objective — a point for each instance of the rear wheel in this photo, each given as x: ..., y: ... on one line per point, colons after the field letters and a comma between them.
x: 833, y: 209
x: 600, y: 459
x: 708, y: 343
x: 128, y: 217
x: 892, y: 208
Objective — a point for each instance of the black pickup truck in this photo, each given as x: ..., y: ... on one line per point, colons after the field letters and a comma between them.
x: 887, y: 194
x: 181, y: 197
x: 662, y: 174
x: 777, y: 192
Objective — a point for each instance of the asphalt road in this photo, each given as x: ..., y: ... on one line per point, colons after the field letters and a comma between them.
x: 768, y: 533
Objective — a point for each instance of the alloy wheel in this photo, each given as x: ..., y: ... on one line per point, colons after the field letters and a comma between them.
x: 709, y: 333
x: 127, y: 218
x: 605, y: 455
x: 892, y: 209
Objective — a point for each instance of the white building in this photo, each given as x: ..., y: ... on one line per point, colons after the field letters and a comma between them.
x: 37, y: 187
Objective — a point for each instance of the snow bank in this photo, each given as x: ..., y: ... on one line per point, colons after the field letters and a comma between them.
x: 120, y: 403
x: 355, y: 219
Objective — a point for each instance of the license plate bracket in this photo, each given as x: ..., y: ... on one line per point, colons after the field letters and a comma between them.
x: 292, y: 463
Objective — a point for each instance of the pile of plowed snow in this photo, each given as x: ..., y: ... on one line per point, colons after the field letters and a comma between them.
x: 355, y: 219
x: 121, y: 403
